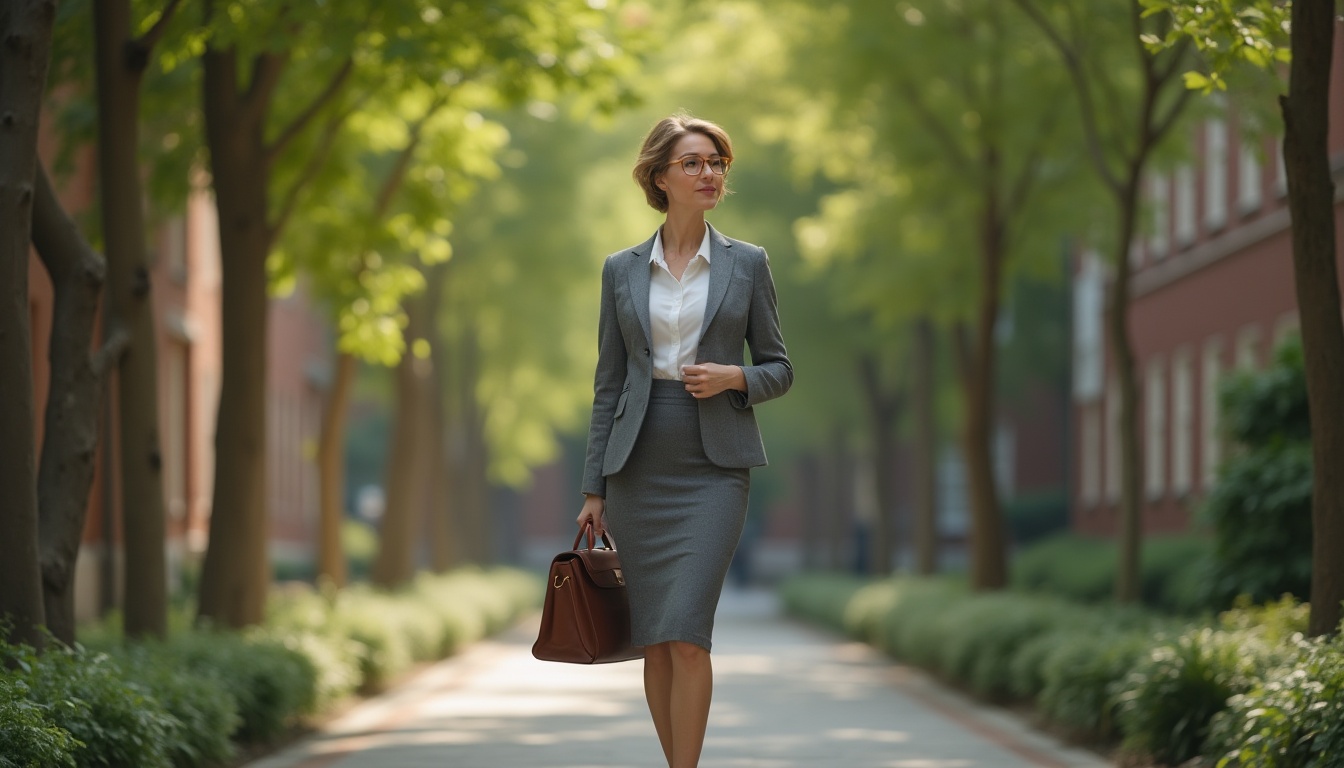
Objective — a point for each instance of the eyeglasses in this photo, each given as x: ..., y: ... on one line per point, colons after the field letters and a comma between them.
x: 692, y: 165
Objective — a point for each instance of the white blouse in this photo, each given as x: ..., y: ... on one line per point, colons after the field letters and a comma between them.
x: 676, y: 309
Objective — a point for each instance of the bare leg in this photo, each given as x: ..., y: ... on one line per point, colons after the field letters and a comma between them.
x: 692, y: 687
x: 658, y: 692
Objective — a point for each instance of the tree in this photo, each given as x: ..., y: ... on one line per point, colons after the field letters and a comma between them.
x: 504, y: 47
x: 1253, y: 34
x: 122, y: 58
x: 1123, y: 126
x: 26, y: 28
x: 65, y: 472
x: 962, y: 108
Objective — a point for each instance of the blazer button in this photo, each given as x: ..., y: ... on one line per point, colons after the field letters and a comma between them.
x: 646, y: 351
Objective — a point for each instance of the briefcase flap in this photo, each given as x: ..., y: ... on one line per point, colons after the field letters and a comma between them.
x: 603, y: 566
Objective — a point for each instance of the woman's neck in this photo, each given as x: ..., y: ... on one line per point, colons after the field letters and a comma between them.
x: 683, y: 232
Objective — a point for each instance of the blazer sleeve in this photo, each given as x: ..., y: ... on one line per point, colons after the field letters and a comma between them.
x: 770, y: 373
x: 607, y: 383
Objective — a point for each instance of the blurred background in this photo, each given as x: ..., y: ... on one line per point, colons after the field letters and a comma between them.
x: 374, y: 234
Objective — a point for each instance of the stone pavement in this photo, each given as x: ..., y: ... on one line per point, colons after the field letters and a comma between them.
x: 786, y: 696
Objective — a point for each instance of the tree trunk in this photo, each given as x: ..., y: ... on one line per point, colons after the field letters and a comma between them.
x: 468, y: 454
x: 236, y: 570
x: 838, y: 502
x: 407, y: 464
x: 883, y: 407
x: 923, y: 391
x: 989, y: 567
x: 1311, y: 194
x: 814, y: 518
x: 25, y: 28
x: 1128, y: 581
x: 331, y: 564
x: 443, y: 538
x: 120, y: 67
x: 65, y: 473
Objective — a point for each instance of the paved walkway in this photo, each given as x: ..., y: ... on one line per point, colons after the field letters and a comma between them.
x: 786, y: 696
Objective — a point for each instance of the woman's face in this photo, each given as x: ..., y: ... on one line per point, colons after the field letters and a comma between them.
x: 692, y: 192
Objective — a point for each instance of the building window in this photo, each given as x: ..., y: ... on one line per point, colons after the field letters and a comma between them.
x: 1248, y: 180
x: 1182, y: 422
x: 1091, y: 464
x: 1112, y: 453
x: 1155, y: 433
x: 1215, y: 174
x: 1087, y: 329
x: 1248, y: 348
x: 1211, y: 452
x: 1159, y: 197
x: 1185, y: 205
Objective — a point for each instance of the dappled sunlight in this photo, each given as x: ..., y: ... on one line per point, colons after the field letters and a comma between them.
x: 924, y: 762
x: 519, y: 703
x: 868, y: 734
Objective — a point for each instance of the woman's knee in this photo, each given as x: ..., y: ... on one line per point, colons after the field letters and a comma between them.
x: 687, y: 653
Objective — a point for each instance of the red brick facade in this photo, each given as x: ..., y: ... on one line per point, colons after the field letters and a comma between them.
x: 1213, y: 293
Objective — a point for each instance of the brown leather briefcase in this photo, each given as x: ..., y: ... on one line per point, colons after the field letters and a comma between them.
x: 585, y: 618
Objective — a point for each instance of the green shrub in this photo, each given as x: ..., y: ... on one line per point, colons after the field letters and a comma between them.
x: 1076, y: 567
x: 1292, y: 719
x: 1173, y: 571
x: 1080, y: 675
x: 989, y: 630
x: 28, y: 737
x: 367, y: 637
x: 272, y: 684
x: 205, y: 715
x: 918, y: 623
x: 1032, y: 517
x: 87, y: 694
x: 1260, y: 506
x: 1169, y: 700
x: 821, y: 598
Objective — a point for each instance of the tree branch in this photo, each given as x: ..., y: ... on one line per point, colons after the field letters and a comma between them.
x: 60, y: 246
x: 266, y: 71
x: 147, y: 41
x: 1074, y: 65
x: 932, y: 123
x: 114, y: 346
x: 403, y: 162
x: 315, y: 162
x: 1028, y: 175
x: 288, y: 134
x: 1165, y: 123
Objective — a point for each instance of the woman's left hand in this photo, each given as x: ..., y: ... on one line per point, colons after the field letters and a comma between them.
x: 709, y: 379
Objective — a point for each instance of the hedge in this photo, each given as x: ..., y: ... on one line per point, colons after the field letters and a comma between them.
x: 1241, y: 689
x: 191, y: 700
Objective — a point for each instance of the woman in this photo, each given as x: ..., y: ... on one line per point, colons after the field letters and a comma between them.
x: 673, y: 435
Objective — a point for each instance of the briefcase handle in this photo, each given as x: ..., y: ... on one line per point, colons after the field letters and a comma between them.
x: 587, y: 528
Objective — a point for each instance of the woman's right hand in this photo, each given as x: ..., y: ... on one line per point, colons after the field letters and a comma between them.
x: 594, y: 508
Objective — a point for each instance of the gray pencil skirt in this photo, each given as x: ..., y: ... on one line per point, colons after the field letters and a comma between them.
x: 677, y: 518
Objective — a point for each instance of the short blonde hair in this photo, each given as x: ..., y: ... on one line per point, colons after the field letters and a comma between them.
x: 656, y: 153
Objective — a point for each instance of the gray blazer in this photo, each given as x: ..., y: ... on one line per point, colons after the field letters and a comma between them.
x: 740, y: 307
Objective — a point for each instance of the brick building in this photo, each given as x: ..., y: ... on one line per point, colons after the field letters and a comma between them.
x: 1212, y: 293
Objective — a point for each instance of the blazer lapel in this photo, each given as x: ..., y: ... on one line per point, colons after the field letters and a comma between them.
x: 720, y: 272
x: 639, y: 284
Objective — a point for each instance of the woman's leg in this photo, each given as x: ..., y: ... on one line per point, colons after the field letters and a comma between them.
x: 658, y: 692
x: 678, y: 683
